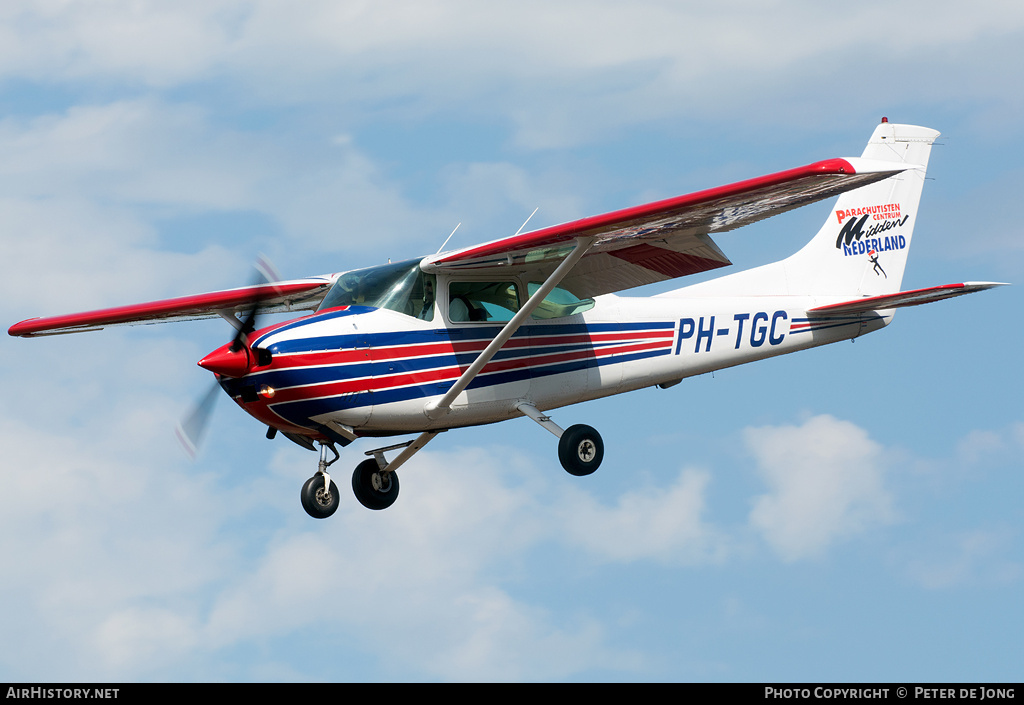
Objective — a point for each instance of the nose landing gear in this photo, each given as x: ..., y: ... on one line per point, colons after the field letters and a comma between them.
x: 374, y: 481
x: 320, y: 495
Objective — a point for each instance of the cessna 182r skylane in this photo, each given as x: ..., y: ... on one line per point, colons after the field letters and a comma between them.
x: 530, y: 323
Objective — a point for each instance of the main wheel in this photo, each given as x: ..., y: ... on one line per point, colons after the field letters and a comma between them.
x: 580, y: 450
x: 318, y: 501
x: 374, y: 489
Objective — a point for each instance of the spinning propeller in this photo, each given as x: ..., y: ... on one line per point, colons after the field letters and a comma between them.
x: 233, y: 360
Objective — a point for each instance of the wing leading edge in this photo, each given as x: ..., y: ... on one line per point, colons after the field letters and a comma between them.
x: 294, y: 295
x: 664, y: 239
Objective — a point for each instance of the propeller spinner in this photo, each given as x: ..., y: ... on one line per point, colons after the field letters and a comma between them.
x: 232, y: 360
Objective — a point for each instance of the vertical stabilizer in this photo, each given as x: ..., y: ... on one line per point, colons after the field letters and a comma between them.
x: 861, y: 250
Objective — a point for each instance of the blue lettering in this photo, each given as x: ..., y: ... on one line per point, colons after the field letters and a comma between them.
x: 776, y: 339
x: 758, y: 334
x: 686, y: 328
x: 702, y: 334
x: 740, y: 318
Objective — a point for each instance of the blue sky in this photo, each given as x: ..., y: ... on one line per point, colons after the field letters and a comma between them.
x: 848, y: 513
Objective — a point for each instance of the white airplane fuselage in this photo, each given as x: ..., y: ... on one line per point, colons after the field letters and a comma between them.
x: 372, y: 372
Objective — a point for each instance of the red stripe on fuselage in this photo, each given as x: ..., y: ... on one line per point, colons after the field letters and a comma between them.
x: 451, y: 373
x: 404, y: 352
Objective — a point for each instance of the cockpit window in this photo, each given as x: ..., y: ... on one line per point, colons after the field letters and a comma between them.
x: 400, y: 287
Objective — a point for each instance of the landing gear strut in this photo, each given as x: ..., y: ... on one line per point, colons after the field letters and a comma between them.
x: 375, y: 482
x: 580, y: 448
x: 319, y: 493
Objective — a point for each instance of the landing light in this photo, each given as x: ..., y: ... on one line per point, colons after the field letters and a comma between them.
x: 267, y: 392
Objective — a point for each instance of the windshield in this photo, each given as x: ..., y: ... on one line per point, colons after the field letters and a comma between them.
x: 400, y: 287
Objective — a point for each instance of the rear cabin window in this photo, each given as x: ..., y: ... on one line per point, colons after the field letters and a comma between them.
x: 560, y: 302
x: 490, y: 302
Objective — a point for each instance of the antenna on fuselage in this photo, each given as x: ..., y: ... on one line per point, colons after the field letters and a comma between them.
x: 527, y: 221
x: 447, y: 239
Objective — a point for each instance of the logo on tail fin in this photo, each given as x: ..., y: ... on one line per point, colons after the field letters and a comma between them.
x: 857, y: 237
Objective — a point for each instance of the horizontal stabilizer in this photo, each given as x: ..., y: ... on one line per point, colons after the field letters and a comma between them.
x: 295, y: 295
x: 903, y: 298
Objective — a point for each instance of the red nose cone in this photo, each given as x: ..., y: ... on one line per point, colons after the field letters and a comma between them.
x: 227, y: 362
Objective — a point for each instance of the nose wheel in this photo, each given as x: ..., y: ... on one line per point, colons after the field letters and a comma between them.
x: 320, y: 497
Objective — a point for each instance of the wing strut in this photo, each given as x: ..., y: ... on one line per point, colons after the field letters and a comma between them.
x: 436, y: 409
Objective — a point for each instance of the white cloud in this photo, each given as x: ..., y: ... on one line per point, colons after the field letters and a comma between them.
x: 420, y: 582
x: 981, y: 445
x: 144, y: 572
x: 565, y: 73
x: 978, y: 556
x: 826, y: 482
x: 138, y: 151
x: 147, y: 43
x: 664, y: 524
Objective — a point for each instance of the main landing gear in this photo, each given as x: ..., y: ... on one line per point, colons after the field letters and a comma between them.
x: 375, y: 482
x: 580, y: 448
x: 374, y: 488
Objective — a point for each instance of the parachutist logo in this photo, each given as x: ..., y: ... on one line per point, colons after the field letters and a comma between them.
x: 873, y: 256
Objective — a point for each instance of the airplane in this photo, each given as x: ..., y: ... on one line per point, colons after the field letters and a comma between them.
x: 534, y: 322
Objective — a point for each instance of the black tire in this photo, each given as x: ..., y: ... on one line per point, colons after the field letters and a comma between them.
x: 363, y: 479
x: 580, y: 450
x: 317, y: 503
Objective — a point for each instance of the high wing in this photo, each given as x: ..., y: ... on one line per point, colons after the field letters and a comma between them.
x: 915, y: 297
x: 625, y: 249
x: 664, y: 239
x: 294, y: 295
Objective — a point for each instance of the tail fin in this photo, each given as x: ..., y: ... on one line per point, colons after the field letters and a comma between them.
x: 861, y: 250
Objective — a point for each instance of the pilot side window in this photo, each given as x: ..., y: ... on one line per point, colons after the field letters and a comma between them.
x: 493, y: 302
